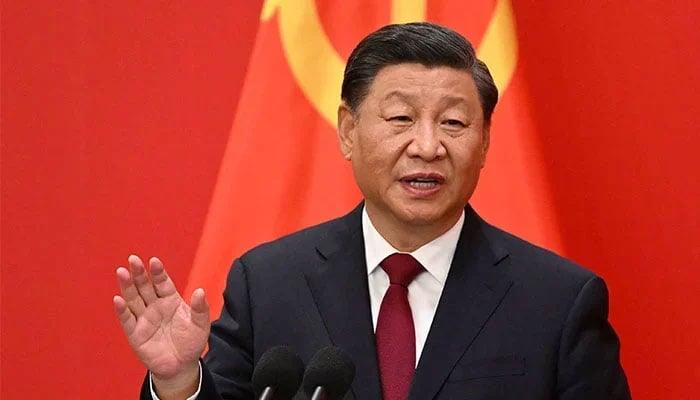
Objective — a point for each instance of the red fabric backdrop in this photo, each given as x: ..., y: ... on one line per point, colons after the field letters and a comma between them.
x: 114, y: 120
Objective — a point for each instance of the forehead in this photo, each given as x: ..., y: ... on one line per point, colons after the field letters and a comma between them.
x: 405, y: 81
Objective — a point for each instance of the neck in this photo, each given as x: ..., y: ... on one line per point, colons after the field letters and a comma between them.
x: 406, y: 236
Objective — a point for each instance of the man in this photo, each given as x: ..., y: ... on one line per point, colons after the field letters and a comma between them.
x: 430, y: 301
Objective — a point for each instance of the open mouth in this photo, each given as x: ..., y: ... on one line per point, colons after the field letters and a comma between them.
x: 423, y: 181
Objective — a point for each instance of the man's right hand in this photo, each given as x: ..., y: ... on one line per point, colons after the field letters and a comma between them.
x: 166, y: 334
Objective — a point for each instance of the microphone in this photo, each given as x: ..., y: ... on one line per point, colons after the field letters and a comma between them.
x: 278, y: 374
x: 329, y: 374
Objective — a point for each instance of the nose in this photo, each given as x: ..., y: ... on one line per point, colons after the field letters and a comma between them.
x: 425, y: 142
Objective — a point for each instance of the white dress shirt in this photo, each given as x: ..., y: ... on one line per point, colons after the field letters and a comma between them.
x: 425, y: 290
x: 423, y: 293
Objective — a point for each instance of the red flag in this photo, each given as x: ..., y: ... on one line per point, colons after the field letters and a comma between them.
x: 282, y: 169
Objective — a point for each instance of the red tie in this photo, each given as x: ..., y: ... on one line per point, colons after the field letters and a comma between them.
x: 395, y: 334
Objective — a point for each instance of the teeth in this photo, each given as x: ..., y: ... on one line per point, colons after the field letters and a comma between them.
x: 422, y: 184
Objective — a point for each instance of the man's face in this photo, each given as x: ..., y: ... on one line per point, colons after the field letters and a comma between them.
x: 417, y: 144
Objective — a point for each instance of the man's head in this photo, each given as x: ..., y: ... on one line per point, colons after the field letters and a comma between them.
x: 415, y: 124
x: 422, y: 43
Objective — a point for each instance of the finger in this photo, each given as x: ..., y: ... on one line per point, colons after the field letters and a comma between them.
x: 141, y: 280
x: 126, y: 317
x: 129, y: 293
x: 200, y: 309
x: 162, y: 283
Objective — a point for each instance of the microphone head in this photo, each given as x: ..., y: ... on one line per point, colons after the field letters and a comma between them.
x: 281, y: 369
x: 331, y: 368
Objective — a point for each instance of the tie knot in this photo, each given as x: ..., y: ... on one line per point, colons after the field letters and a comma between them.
x: 401, y: 268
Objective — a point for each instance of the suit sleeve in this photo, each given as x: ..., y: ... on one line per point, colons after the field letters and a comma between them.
x: 589, y: 356
x: 228, y: 365
x: 148, y: 391
x: 229, y: 361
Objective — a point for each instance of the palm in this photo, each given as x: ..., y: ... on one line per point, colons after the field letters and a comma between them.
x: 164, y: 332
x: 165, y: 337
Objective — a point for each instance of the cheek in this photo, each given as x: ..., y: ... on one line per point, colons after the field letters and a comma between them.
x: 368, y: 162
x: 379, y: 154
x: 468, y: 159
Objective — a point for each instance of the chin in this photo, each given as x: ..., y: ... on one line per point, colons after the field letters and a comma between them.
x: 422, y: 215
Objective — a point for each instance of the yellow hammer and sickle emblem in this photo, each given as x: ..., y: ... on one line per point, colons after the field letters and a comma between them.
x: 318, y: 68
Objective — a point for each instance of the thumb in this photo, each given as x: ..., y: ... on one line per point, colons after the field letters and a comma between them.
x: 200, y: 309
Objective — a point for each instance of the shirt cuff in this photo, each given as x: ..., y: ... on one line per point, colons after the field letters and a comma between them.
x: 193, y: 397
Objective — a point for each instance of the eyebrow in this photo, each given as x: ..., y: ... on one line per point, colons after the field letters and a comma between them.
x: 447, y: 100
x: 398, y: 95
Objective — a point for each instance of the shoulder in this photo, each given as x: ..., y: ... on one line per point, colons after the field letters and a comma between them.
x: 544, y: 287
x: 535, y: 266
x: 302, y: 247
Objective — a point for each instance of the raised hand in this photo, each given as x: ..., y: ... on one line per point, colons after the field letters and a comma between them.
x: 166, y: 334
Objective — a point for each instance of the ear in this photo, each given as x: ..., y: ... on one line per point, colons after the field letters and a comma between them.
x: 486, y: 141
x: 346, y: 130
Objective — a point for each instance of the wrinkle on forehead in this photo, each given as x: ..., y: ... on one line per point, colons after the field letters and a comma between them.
x: 434, y: 89
x: 415, y: 82
x: 413, y: 98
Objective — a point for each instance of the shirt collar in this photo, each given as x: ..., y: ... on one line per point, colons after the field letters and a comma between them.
x: 435, y: 256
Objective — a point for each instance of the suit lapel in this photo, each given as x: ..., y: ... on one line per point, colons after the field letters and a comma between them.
x: 339, y: 287
x: 473, y: 290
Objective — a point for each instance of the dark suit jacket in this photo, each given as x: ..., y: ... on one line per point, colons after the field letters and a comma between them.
x: 514, y: 321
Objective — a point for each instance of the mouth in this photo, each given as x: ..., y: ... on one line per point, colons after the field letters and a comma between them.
x: 423, y: 182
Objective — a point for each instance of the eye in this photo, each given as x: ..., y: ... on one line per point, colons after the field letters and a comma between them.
x: 454, y: 123
x: 400, y: 118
